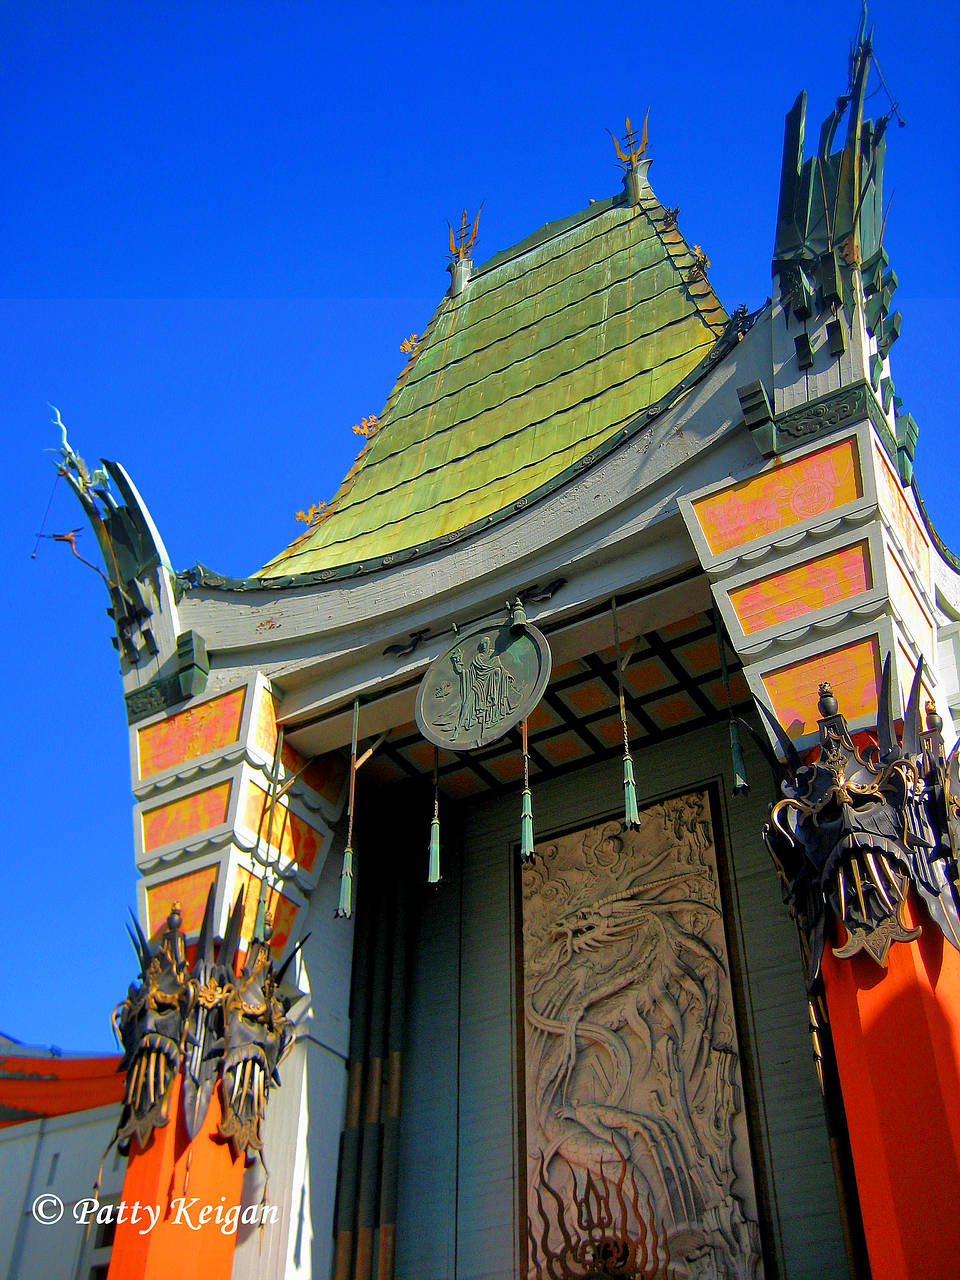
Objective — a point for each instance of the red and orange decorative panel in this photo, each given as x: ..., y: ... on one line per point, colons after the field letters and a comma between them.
x: 325, y: 775
x: 798, y: 490
x: 852, y: 669
x: 291, y: 835
x: 207, y: 727
x: 815, y: 584
x: 189, y: 816
x: 189, y: 890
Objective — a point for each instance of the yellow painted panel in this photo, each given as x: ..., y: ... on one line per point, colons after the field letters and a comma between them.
x: 189, y: 816
x: 191, y: 733
x: 795, y: 491
x: 917, y: 620
x: 854, y: 672
x: 280, y: 909
x: 290, y: 834
x: 841, y: 575
x: 898, y: 511
x: 190, y: 891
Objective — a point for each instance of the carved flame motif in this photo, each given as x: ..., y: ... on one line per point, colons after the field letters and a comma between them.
x: 603, y: 1234
x: 631, y: 1058
x: 855, y: 829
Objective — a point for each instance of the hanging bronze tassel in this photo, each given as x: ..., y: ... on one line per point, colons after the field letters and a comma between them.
x: 526, y: 810
x: 345, y: 905
x: 433, y: 872
x: 631, y: 817
x: 741, y: 784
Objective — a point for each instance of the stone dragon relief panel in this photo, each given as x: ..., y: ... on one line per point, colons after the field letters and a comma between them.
x: 637, y: 1156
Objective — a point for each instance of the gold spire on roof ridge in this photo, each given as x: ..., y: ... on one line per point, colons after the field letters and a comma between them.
x: 460, y: 250
x: 628, y: 156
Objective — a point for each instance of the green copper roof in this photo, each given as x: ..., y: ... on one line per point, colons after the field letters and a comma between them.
x: 551, y: 348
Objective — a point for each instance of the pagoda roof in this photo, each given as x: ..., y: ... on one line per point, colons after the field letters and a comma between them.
x: 550, y: 349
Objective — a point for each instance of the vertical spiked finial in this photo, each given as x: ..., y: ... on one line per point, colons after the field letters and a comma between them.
x: 460, y: 245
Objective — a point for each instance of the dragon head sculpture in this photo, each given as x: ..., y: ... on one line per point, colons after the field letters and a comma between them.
x: 257, y: 1037
x: 151, y: 1024
x: 855, y: 828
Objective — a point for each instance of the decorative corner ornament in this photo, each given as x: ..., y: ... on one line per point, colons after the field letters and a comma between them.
x: 216, y: 1025
x: 857, y: 828
x: 484, y: 684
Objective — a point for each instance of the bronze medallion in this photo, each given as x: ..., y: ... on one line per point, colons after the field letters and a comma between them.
x: 483, y: 684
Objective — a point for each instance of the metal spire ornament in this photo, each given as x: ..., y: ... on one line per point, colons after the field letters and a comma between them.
x: 345, y: 905
x: 631, y: 818
x: 433, y: 872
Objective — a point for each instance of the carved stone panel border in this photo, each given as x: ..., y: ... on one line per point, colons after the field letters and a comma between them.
x: 637, y: 1155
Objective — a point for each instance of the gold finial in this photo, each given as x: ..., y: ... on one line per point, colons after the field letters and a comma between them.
x: 408, y: 345
x: 630, y: 158
x: 365, y: 426
x: 460, y: 249
x: 701, y: 264
x: 312, y: 515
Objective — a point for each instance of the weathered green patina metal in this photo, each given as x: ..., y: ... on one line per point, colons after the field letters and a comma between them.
x: 488, y: 680
x: 548, y: 350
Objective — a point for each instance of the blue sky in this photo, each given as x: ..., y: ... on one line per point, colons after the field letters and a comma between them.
x: 220, y: 221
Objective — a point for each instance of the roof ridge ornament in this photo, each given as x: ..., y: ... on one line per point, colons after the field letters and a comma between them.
x: 632, y: 159
x: 461, y: 242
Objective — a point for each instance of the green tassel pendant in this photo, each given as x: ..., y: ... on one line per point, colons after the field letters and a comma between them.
x: 345, y: 905
x: 632, y: 818
x: 740, y: 784
x: 526, y: 827
x: 433, y: 874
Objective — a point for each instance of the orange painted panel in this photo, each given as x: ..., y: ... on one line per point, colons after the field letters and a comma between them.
x: 898, y: 511
x: 795, y: 491
x: 190, y: 891
x: 280, y: 908
x: 191, y: 733
x: 324, y: 774
x: 897, y: 1042
x: 294, y: 838
x: 188, y: 816
x: 780, y: 597
x: 853, y: 670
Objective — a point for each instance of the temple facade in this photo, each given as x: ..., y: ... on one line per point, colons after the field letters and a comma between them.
x: 469, y: 944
